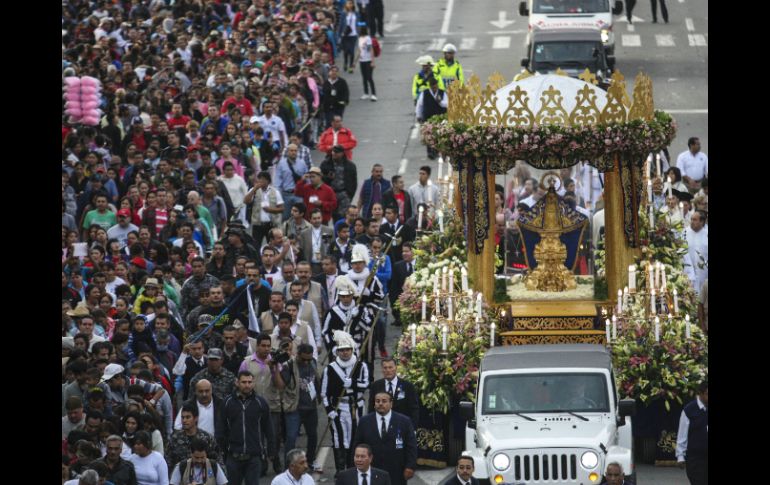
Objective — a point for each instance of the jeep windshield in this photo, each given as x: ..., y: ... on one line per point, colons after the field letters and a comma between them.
x: 548, y: 56
x: 571, y: 6
x: 545, y: 393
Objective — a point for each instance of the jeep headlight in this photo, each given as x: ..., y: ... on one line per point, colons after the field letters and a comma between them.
x: 501, y: 462
x: 605, y: 36
x: 589, y: 460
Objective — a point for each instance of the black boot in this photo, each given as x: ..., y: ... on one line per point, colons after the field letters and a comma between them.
x: 339, y: 460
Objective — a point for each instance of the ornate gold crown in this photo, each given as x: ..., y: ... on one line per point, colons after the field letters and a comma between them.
x: 471, y: 105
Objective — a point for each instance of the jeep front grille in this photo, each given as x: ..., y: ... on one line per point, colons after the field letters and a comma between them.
x: 545, y: 466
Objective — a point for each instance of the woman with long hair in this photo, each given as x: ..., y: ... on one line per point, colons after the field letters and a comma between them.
x: 365, y: 57
x: 150, y: 466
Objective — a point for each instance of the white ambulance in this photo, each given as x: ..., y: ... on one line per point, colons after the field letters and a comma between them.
x: 572, y: 14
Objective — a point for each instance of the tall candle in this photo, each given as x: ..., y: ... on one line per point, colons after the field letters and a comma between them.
x: 443, y: 278
x: 650, y: 279
x: 440, y: 167
x: 419, y: 217
x: 614, y: 327
x: 652, y: 219
x: 607, y: 329
x: 652, y: 301
x: 444, y: 332
x: 413, y: 328
x: 491, y: 334
x: 625, y: 299
x: 632, y: 278
x: 424, y: 307
x: 670, y: 187
x: 448, y: 169
x: 451, y: 192
x: 478, y: 305
x: 440, y: 214
x: 649, y: 191
x: 435, y: 282
x: 663, y: 278
x: 620, y: 302
x: 657, y: 164
x: 451, y: 287
x: 450, y: 308
x: 657, y: 329
x: 681, y: 208
x: 478, y: 325
x: 687, y: 326
x: 437, y: 299
x: 464, y: 276
x: 676, y: 302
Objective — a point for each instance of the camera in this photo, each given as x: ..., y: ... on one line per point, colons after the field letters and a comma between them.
x: 280, y: 356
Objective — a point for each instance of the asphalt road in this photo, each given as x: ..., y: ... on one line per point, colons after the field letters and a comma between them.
x: 675, y: 55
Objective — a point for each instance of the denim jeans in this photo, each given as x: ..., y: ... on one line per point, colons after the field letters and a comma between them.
x: 291, y: 423
x: 237, y: 470
x: 309, y: 419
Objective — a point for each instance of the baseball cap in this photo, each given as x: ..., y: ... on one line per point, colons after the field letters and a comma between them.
x: 151, y: 282
x: 205, y: 319
x: 215, y: 353
x: 124, y: 213
x: 111, y: 371
x: 139, y: 262
x: 254, y: 119
x: 315, y: 170
x: 137, y: 120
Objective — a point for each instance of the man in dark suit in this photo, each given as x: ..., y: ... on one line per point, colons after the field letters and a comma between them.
x: 363, y: 473
x: 464, y: 476
x: 401, y: 272
x: 392, y: 438
x: 327, y: 277
x: 314, y: 242
x: 389, y: 228
x: 403, y: 392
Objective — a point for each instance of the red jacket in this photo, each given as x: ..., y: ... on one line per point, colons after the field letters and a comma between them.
x: 324, y: 193
x: 345, y: 137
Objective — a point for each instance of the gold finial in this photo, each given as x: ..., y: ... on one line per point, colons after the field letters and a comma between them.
x: 488, y: 114
x: 518, y: 112
x: 615, y: 110
x: 559, y: 72
x: 524, y: 74
x: 642, y: 106
x: 474, y: 90
x: 588, y: 77
x: 551, y: 110
x: 496, y: 80
x: 586, y: 111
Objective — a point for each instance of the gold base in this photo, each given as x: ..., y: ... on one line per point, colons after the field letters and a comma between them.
x: 582, y: 308
x: 553, y: 337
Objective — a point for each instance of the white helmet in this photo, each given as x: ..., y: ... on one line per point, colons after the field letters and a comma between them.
x: 449, y: 48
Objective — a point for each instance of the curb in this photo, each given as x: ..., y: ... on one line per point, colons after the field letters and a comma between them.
x: 432, y: 476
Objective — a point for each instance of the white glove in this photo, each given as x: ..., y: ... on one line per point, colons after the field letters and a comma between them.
x: 366, y: 292
x: 354, y: 312
x: 347, y: 382
x: 332, y: 415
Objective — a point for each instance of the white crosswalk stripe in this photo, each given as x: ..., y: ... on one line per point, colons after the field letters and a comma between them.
x: 690, y: 25
x: 696, y: 40
x: 665, y: 40
x: 404, y: 47
x: 631, y: 27
x: 501, y: 42
x: 631, y: 40
x: 468, y: 44
x: 437, y: 44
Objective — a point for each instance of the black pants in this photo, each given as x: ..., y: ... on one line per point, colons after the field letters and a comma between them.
x: 366, y: 75
x: 309, y: 420
x: 630, y: 4
x: 376, y: 14
x: 348, y: 50
x: 697, y: 470
x: 249, y: 470
x: 260, y: 231
x: 663, y: 10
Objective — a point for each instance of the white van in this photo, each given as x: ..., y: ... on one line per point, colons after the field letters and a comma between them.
x: 571, y: 14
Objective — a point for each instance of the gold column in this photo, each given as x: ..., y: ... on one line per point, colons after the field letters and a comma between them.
x: 618, y: 255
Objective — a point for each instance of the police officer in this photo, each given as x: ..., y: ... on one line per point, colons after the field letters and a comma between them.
x: 447, y: 70
x: 420, y: 80
x: 431, y: 102
x: 692, y: 443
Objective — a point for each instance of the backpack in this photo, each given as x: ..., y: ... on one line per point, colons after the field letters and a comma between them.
x: 376, y: 47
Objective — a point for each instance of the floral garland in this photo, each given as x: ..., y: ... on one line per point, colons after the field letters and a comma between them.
x: 541, y: 145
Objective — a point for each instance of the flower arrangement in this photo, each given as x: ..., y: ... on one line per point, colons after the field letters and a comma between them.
x: 571, y: 144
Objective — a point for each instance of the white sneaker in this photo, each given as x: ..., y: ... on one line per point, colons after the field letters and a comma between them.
x: 374, y: 98
x: 365, y: 96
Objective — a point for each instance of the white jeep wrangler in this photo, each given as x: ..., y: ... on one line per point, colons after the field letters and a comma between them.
x: 547, y: 414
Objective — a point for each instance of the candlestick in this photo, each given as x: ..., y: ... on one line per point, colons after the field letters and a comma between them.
x: 625, y: 299
x: 435, y: 282
x: 443, y: 278
x: 491, y: 334
x: 450, y: 308
x: 652, y: 219
x: 650, y: 279
x: 437, y: 299
x: 419, y: 217
x: 663, y: 278
x: 649, y: 191
x: 464, y: 276
x: 451, y: 286
x: 478, y: 305
x: 614, y: 327
x: 440, y: 214
x: 478, y: 325
x: 652, y: 301
x: 632, y: 278
x: 657, y: 329
x: 607, y: 329
x: 687, y: 326
x: 657, y: 164
x: 448, y: 168
x: 451, y: 192
x: 424, y: 307
x: 676, y: 302
x: 413, y: 329
x: 444, y: 332
x: 620, y: 302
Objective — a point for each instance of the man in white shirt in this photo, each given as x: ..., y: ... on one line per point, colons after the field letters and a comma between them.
x: 204, y: 399
x: 423, y: 191
x: 697, y: 237
x: 694, y: 165
x: 273, y: 125
x: 296, y: 473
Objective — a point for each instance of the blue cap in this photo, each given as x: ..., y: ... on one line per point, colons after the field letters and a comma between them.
x: 246, y: 63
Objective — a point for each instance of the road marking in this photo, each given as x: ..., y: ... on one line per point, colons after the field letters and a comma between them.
x: 415, y: 131
x: 687, y: 111
x: 393, y: 24
x: 501, y: 21
x: 664, y: 40
x: 437, y: 44
x: 696, y: 40
x: 447, y: 17
x: 634, y: 18
x: 402, y: 168
x: 681, y: 1
x: 631, y: 28
x: 404, y: 48
x: 690, y: 25
x: 468, y: 43
x: 501, y: 42
x: 629, y: 40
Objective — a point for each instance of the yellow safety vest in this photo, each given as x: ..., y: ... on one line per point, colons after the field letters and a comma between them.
x: 447, y: 74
